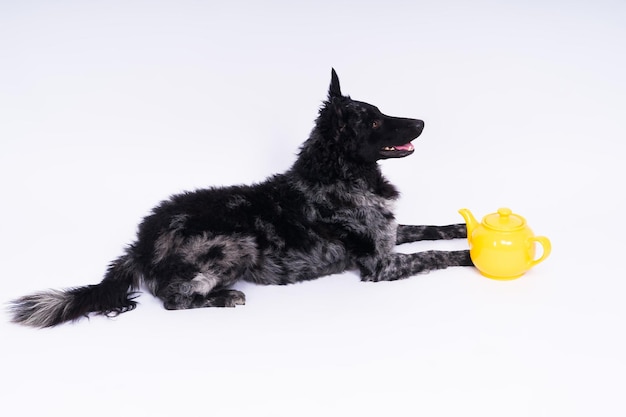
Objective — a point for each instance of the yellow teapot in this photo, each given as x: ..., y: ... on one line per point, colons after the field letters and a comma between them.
x: 503, y: 246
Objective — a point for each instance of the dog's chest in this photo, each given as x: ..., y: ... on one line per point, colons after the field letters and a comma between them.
x: 373, y: 207
x: 376, y: 215
x: 362, y: 216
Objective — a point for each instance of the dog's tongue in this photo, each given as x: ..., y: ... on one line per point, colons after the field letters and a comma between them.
x: 407, y: 147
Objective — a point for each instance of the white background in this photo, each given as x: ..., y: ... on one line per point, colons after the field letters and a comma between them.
x: 106, y: 108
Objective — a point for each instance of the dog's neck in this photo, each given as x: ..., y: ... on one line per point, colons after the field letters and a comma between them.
x: 319, y: 165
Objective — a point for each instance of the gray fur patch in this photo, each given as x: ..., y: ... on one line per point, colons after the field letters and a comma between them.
x: 235, y: 250
x: 204, y: 283
x: 164, y: 245
x: 237, y: 201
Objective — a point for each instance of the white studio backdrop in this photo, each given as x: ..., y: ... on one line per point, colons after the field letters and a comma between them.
x: 107, y: 108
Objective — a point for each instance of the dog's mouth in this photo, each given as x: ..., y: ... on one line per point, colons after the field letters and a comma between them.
x: 397, y: 151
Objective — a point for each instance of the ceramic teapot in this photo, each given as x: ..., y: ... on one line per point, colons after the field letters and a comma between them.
x: 502, y: 246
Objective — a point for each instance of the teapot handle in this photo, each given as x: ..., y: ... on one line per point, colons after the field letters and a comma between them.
x: 547, y: 248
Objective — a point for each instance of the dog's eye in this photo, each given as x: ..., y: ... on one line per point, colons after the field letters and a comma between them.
x: 376, y: 123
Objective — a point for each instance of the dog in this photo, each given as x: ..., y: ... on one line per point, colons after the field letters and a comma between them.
x: 332, y: 211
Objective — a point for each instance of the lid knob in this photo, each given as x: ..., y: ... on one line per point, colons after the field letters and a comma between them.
x: 504, y: 212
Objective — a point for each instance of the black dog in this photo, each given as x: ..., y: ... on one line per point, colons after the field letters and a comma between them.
x: 332, y: 211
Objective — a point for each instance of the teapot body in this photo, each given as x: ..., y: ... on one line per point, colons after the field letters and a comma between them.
x: 502, y: 255
x: 502, y: 246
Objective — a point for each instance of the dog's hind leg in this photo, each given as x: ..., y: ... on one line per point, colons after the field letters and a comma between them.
x: 204, y: 267
x: 203, y: 290
x: 400, y: 265
x: 406, y: 234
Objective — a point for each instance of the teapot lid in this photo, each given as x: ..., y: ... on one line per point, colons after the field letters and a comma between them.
x: 504, y: 220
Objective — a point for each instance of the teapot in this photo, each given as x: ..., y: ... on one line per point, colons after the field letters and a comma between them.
x: 502, y: 246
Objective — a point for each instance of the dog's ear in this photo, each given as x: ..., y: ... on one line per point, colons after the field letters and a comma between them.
x: 334, y: 90
x: 332, y: 113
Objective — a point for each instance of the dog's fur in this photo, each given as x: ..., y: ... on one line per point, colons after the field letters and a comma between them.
x: 332, y: 211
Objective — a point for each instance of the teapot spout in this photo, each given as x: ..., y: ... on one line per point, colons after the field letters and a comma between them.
x: 470, y: 221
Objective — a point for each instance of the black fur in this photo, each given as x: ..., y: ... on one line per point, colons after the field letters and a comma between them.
x: 332, y: 211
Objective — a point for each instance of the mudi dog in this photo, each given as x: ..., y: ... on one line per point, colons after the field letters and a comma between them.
x: 330, y: 212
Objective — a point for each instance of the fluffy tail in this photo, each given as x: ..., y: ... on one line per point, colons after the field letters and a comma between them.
x: 111, y: 297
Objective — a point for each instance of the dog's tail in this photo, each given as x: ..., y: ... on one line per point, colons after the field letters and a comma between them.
x: 111, y: 297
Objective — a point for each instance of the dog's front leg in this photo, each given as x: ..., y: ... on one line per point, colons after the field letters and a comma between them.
x: 406, y: 234
x: 399, y: 265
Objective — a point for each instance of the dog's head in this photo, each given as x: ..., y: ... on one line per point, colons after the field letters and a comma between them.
x: 361, y: 131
